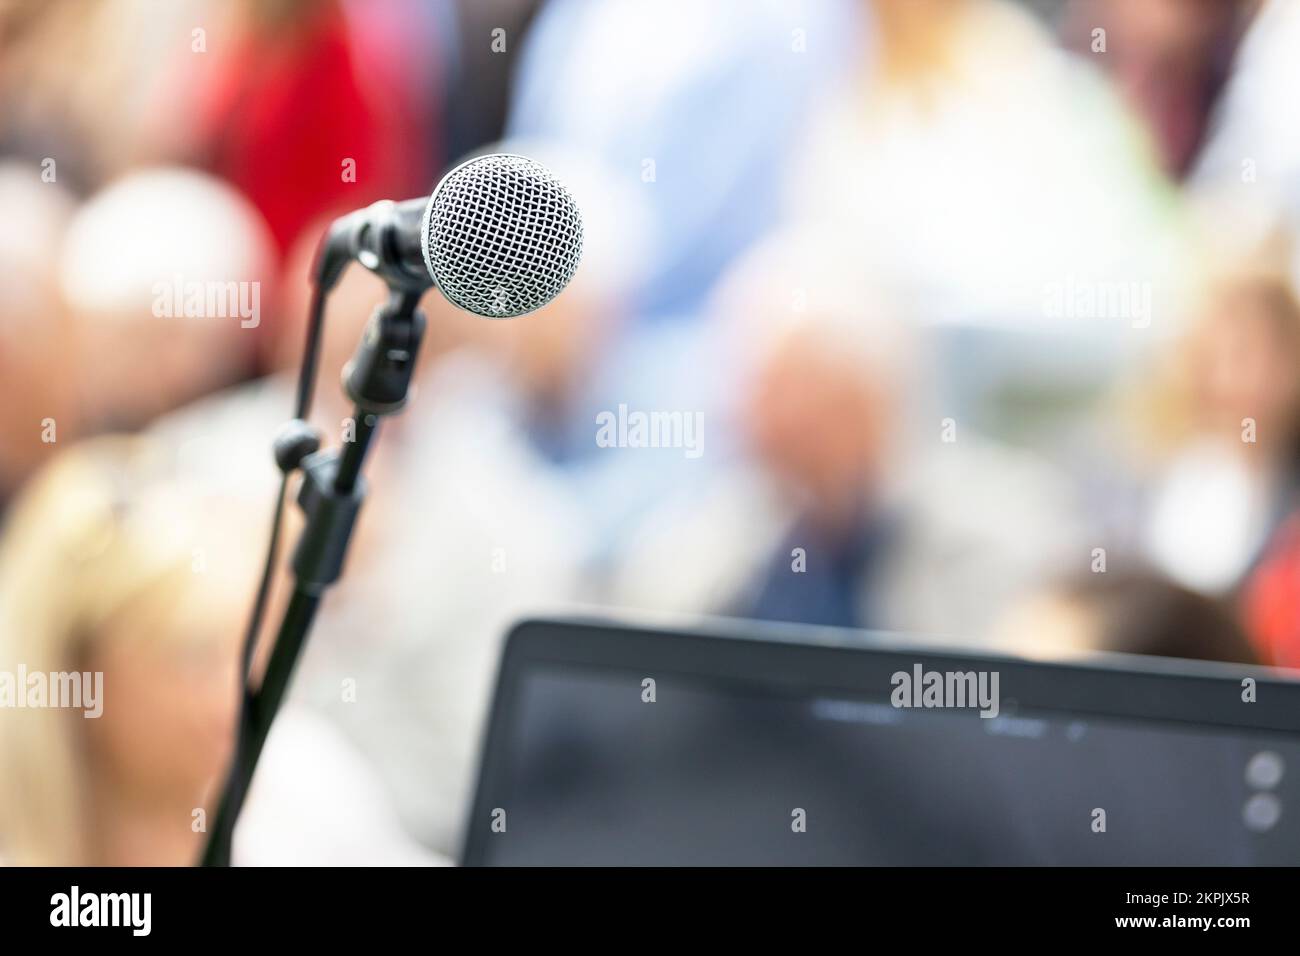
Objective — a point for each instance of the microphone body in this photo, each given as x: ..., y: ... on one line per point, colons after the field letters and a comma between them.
x: 499, y: 236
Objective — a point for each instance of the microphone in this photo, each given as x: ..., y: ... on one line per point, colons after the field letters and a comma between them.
x: 499, y: 236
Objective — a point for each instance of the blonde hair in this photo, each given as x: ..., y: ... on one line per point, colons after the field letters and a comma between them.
x: 101, y: 529
x: 1159, y: 400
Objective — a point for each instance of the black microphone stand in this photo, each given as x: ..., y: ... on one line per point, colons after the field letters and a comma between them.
x: 377, y: 381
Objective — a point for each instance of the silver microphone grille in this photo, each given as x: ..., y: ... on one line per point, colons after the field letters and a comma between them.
x: 502, y: 236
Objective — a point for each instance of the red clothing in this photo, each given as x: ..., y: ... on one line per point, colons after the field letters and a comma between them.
x: 1270, y: 599
x: 285, y: 111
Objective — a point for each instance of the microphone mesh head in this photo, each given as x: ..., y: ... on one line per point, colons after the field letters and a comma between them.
x: 501, y: 236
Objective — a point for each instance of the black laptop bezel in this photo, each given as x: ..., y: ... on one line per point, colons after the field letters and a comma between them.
x: 830, y: 661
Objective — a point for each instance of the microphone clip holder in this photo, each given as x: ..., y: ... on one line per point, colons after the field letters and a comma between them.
x: 378, y: 380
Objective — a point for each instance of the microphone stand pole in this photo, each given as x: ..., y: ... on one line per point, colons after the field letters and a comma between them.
x: 333, y: 489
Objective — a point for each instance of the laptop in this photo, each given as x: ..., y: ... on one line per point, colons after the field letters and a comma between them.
x: 757, y: 744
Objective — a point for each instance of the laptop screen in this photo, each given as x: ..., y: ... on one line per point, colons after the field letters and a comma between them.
x: 780, y: 752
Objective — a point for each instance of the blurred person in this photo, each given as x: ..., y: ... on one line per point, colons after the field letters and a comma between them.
x: 1129, y: 612
x: 166, y: 276
x: 849, y: 503
x: 273, y: 95
x: 487, y: 38
x: 971, y: 157
x: 1170, y: 59
x: 97, y: 87
x: 1004, y: 189
x: 116, y: 563
x: 1220, y: 427
x: 697, y: 105
x: 1211, y: 80
x: 98, y: 575
x: 317, y: 107
x: 307, y: 107
x: 1251, y: 154
x: 699, y: 108
x: 38, y: 406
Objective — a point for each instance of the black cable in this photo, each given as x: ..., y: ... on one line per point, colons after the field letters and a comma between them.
x: 310, y: 352
x: 222, y: 837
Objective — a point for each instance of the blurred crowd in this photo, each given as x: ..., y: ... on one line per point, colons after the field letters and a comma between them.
x: 969, y: 319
